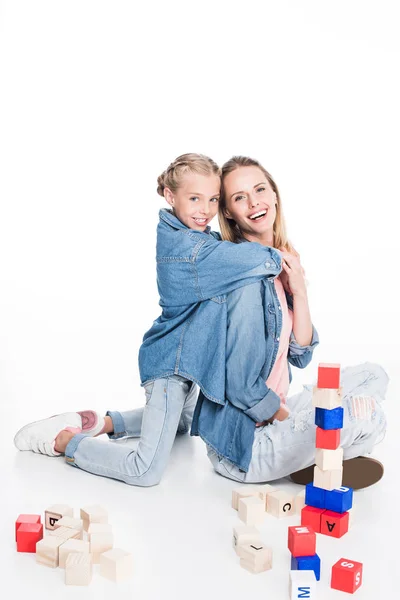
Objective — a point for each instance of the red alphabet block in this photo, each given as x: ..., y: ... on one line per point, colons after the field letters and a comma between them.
x: 346, y: 575
x: 328, y: 375
x: 328, y: 439
x: 334, y: 524
x: 28, y: 534
x: 26, y: 519
x: 311, y: 517
x: 302, y: 541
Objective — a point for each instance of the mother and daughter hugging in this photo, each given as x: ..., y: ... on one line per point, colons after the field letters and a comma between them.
x: 235, y: 318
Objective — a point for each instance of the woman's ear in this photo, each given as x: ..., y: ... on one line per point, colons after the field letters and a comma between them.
x: 168, y: 195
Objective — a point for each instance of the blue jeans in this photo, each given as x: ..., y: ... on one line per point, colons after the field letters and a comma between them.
x: 288, y: 446
x: 170, y: 403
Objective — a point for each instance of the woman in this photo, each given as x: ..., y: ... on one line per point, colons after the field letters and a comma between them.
x: 269, y: 329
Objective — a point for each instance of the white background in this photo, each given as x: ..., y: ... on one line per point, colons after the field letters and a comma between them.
x: 96, y: 99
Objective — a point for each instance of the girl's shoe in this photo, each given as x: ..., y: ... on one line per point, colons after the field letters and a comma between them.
x: 92, y: 422
x: 358, y: 473
x: 40, y: 436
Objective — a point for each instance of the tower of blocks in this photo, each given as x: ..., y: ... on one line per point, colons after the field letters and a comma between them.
x: 74, y: 544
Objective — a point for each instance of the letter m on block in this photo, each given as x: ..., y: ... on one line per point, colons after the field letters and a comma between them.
x: 303, y: 592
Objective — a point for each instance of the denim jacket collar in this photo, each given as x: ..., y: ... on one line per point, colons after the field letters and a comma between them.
x: 167, y: 215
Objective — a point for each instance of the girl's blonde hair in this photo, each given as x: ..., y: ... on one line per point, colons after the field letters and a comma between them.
x: 186, y: 163
x: 229, y: 229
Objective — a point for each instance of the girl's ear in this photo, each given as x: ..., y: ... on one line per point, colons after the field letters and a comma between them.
x: 227, y: 213
x: 168, y: 195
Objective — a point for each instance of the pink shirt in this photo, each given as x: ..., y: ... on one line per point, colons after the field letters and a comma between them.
x: 278, y: 379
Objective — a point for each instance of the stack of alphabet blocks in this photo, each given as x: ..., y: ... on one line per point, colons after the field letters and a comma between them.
x: 74, y: 544
x: 327, y: 501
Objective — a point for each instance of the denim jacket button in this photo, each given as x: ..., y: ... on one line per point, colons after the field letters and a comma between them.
x: 277, y: 339
x: 267, y: 264
x: 279, y: 308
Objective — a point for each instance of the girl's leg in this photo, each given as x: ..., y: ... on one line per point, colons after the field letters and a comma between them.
x: 145, y: 465
x: 288, y: 446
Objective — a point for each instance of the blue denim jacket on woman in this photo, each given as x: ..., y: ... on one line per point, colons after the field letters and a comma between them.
x: 195, y: 272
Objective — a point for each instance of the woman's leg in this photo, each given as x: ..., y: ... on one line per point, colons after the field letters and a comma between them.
x: 288, y: 446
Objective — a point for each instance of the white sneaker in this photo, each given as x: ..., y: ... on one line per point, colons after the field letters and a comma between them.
x: 40, y: 436
x: 92, y: 422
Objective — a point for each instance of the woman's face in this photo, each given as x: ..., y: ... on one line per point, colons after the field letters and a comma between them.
x: 250, y: 201
x: 195, y: 203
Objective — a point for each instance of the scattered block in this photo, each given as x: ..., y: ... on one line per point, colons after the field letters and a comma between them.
x: 255, y: 557
x: 307, y: 563
x: 35, y: 519
x: 326, y: 398
x: 315, y: 496
x: 99, y: 543
x: 329, y: 460
x: 99, y: 528
x: 327, y: 438
x: 339, y: 500
x: 251, y: 510
x: 56, y: 512
x: 47, y: 551
x: 351, y: 517
x: 264, y: 490
x: 311, y: 517
x: 280, y: 504
x: 116, y: 564
x: 66, y: 533
x: 71, y: 546
x: 78, y: 569
x: 28, y: 535
x: 329, y: 419
x: 328, y: 375
x: 302, y: 584
x: 300, y: 501
x: 328, y: 480
x: 243, y: 534
x: 93, y: 514
x: 242, y: 492
x: 70, y: 523
x: 334, y: 524
x: 302, y: 541
x: 346, y: 575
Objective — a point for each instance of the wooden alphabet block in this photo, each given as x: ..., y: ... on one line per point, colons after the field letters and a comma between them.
x: 347, y: 575
x: 311, y: 517
x: 300, y: 501
x: 28, y: 535
x: 340, y: 500
x: 326, y: 398
x: 255, y: 557
x: 280, y: 504
x: 329, y: 419
x: 245, y: 491
x: 71, y: 546
x: 99, y: 528
x: 93, y: 514
x: 47, y: 551
x: 264, y: 490
x: 35, y: 519
x: 327, y: 438
x: 315, y: 496
x: 251, y: 510
x: 66, y: 533
x: 70, y: 523
x: 334, y: 524
x: 307, y: 563
x: 244, y: 534
x: 351, y: 517
x: 99, y: 543
x: 78, y: 569
x: 302, y: 541
x: 55, y: 512
x: 116, y: 564
x: 328, y: 375
x: 302, y: 584
x: 329, y: 460
x: 328, y: 480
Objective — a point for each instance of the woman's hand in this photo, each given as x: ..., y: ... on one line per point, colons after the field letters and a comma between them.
x: 292, y: 275
x: 281, y: 414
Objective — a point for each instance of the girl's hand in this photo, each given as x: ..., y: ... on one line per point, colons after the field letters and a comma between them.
x: 292, y: 275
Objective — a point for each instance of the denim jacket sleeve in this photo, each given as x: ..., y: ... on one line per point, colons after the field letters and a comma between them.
x: 221, y: 267
x: 245, y: 385
x: 300, y: 356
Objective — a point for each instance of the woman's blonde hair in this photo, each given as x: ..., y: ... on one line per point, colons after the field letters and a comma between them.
x: 186, y: 163
x: 229, y: 229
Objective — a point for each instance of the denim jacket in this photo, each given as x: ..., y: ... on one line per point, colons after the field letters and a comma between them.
x: 254, y: 326
x: 195, y: 272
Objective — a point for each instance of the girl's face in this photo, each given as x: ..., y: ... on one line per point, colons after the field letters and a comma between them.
x: 250, y: 201
x: 195, y: 203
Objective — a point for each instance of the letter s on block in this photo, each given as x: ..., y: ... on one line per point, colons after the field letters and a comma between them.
x: 347, y: 564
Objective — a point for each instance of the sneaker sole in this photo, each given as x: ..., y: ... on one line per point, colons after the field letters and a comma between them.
x: 358, y: 473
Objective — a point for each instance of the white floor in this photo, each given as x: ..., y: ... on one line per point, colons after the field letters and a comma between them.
x: 180, y: 532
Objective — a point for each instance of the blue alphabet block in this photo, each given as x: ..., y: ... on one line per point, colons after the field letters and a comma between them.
x: 339, y: 500
x: 307, y: 563
x: 329, y: 419
x: 315, y: 496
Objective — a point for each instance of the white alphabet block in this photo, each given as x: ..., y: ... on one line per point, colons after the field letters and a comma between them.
x: 71, y: 546
x: 302, y: 584
x: 328, y: 480
x: 264, y: 490
x: 280, y: 504
x: 70, y: 523
x: 56, y: 512
x: 243, y: 534
x: 93, y: 514
x: 327, y: 398
x: 300, y: 501
x: 47, y: 551
x: 255, y: 557
x: 116, y: 564
x: 329, y: 460
x: 242, y: 492
x: 251, y: 510
x: 78, y: 569
x: 65, y: 533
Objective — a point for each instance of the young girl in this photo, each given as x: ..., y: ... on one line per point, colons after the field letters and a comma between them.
x: 271, y: 320
x: 185, y: 346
